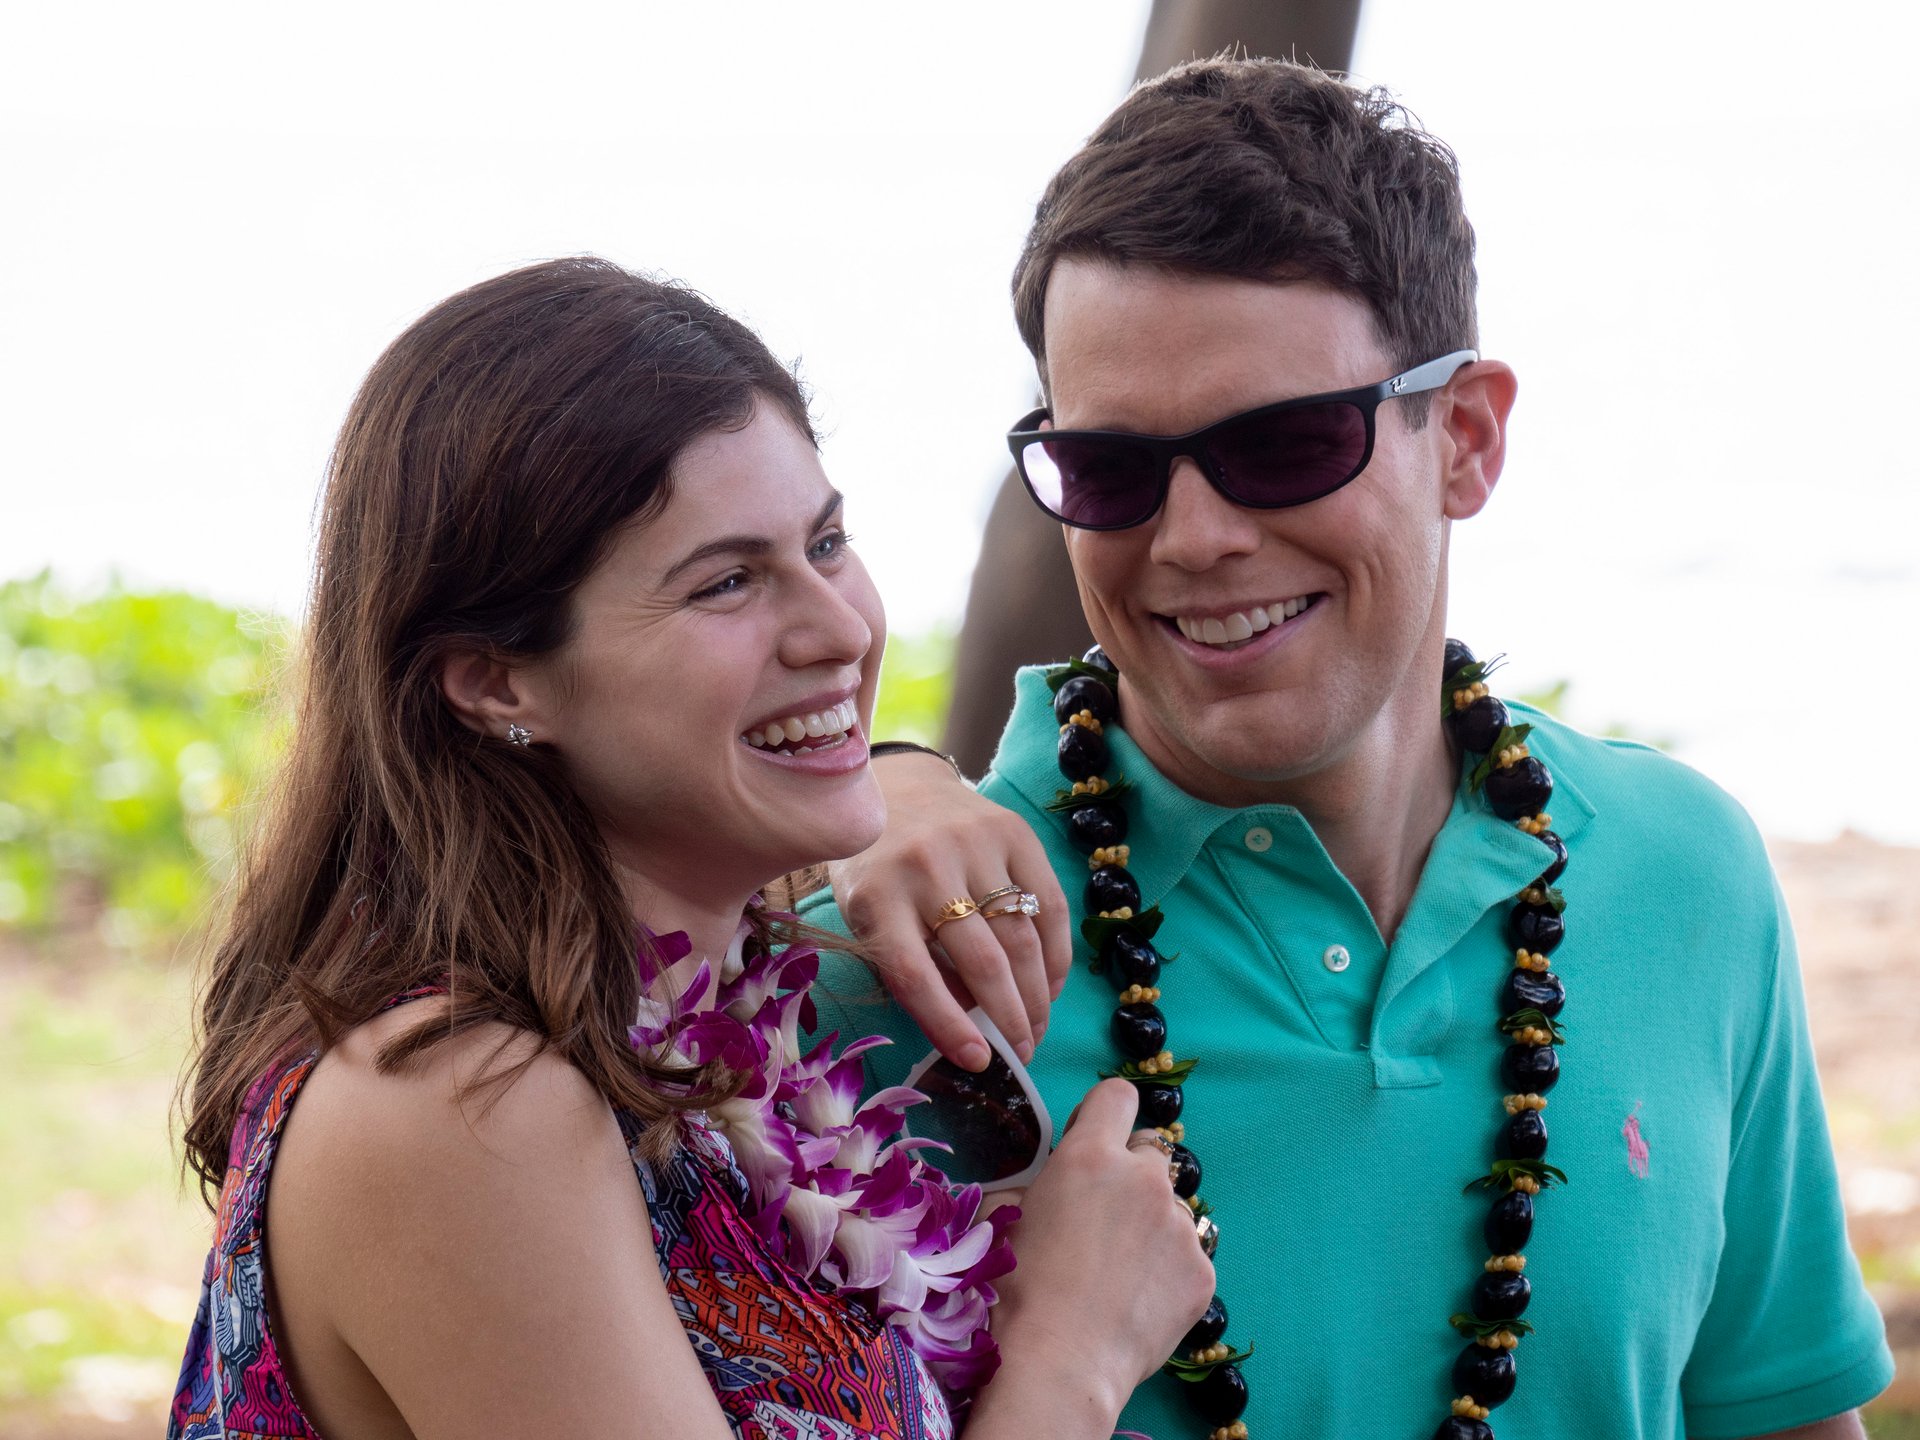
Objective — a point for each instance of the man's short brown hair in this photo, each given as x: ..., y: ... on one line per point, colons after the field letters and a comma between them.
x: 1267, y: 170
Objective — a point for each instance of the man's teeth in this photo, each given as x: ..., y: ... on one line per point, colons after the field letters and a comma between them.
x: 1241, y: 624
x: 829, y: 724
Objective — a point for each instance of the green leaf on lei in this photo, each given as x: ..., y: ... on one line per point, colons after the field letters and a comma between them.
x: 1065, y: 800
x: 1060, y: 674
x: 1131, y: 1070
x: 1473, y: 673
x: 1097, y: 931
x: 1512, y: 735
x: 1475, y: 1326
x: 1193, y: 1371
x: 1531, y: 1019
x: 1500, y: 1177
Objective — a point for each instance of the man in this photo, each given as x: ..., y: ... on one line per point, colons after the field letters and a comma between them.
x: 1356, y: 915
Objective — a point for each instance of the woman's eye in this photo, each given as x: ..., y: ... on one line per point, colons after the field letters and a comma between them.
x: 830, y: 545
x: 727, y: 585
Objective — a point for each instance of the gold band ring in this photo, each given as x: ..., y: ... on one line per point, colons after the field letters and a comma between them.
x: 958, y: 908
x: 1000, y: 894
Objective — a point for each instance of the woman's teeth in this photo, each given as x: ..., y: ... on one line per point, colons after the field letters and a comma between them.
x: 1241, y: 624
x: 829, y: 725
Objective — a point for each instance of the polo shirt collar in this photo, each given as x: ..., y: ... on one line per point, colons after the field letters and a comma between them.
x: 1478, y: 860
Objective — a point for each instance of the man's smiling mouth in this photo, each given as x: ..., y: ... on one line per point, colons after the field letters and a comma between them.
x: 1238, y: 626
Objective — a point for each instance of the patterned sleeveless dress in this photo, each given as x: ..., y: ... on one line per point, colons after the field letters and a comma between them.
x: 786, y: 1361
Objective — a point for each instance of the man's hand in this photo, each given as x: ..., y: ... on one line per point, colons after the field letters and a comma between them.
x: 942, y: 842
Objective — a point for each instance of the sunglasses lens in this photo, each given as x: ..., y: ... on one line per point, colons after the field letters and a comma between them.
x: 987, y: 1119
x: 1098, y: 483
x: 1290, y: 456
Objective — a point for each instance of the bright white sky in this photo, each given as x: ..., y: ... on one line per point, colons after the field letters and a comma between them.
x: 1696, y: 227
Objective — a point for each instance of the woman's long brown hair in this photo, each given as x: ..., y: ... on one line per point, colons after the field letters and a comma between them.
x: 488, y: 460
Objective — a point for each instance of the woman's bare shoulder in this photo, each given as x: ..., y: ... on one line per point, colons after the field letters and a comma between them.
x: 455, y: 1114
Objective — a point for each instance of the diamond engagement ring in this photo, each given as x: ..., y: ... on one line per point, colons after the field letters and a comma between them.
x: 1021, y: 902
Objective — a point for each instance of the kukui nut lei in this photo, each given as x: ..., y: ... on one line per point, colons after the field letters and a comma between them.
x: 1516, y: 787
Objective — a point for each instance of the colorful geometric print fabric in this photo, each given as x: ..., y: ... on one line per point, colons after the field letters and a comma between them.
x: 786, y: 1362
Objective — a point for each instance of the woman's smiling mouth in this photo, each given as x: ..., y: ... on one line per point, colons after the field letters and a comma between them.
x: 805, y: 731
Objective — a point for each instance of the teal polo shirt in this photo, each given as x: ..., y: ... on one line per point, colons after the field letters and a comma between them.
x: 1348, y: 1089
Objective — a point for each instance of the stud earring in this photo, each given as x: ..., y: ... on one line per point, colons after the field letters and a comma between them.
x: 519, y: 735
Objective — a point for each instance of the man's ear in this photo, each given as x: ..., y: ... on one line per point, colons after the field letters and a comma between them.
x: 487, y: 695
x: 1472, y: 412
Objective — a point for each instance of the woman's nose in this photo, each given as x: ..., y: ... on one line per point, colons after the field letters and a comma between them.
x: 825, y: 626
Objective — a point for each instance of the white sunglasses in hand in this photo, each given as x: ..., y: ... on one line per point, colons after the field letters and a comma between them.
x: 994, y: 1123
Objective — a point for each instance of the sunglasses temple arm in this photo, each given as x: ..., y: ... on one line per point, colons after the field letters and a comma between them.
x: 1433, y: 374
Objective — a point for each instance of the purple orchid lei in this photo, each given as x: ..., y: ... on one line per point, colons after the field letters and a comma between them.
x: 838, y: 1191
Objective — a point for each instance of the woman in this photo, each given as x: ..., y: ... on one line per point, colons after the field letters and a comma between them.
x: 589, y: 663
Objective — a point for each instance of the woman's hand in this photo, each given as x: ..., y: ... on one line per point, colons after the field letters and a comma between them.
x: 942, y: 842
x: 1111, y: 1275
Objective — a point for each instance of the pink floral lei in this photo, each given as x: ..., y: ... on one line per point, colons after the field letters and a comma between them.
x: 836, y: 1194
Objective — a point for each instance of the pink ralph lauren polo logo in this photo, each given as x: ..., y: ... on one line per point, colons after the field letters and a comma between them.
x: 1637, y: 1153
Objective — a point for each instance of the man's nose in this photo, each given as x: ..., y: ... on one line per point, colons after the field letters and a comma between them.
x: 1198, y: 526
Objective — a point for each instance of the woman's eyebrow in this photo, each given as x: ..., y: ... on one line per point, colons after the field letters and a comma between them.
x: 746, y: 544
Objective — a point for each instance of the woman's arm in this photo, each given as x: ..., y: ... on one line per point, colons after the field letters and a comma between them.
x: 454, y: 1269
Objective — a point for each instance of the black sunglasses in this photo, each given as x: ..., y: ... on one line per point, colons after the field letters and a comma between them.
x: 1267, y: 459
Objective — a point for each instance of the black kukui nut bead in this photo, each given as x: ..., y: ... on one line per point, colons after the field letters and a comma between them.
x: 1139, y: 1031
x: 1082, y: 753
x: 1186, y: 1172
x: 1480, y: 724
x: 1112, y: 888
x: 1206, y: 1330
x: 1094, y: 826
x: 1221, y: 1398
x: 1509, y: 1223
x: 1559, y: 848
x: 1083, y: 692
x: 1538, y: 928
x: 1463, y: 1427
x: 1501, y: 1295
x: 1129, y: 959
x: 1487, y: 1375
x: 1160, y: 1105
x: 1523, y: 1137
x: 1457, y: 655
x: 1097, y: 659
x: 1522, y: 789
x: 1529, y: 1069
x: 1540, y: 990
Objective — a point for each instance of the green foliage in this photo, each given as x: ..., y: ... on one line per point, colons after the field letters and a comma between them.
x: 916, y: 680
x: 130, y: 726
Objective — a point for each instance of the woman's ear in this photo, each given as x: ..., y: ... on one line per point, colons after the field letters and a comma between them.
x: 1474, y: 414
x: 490, y: 697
